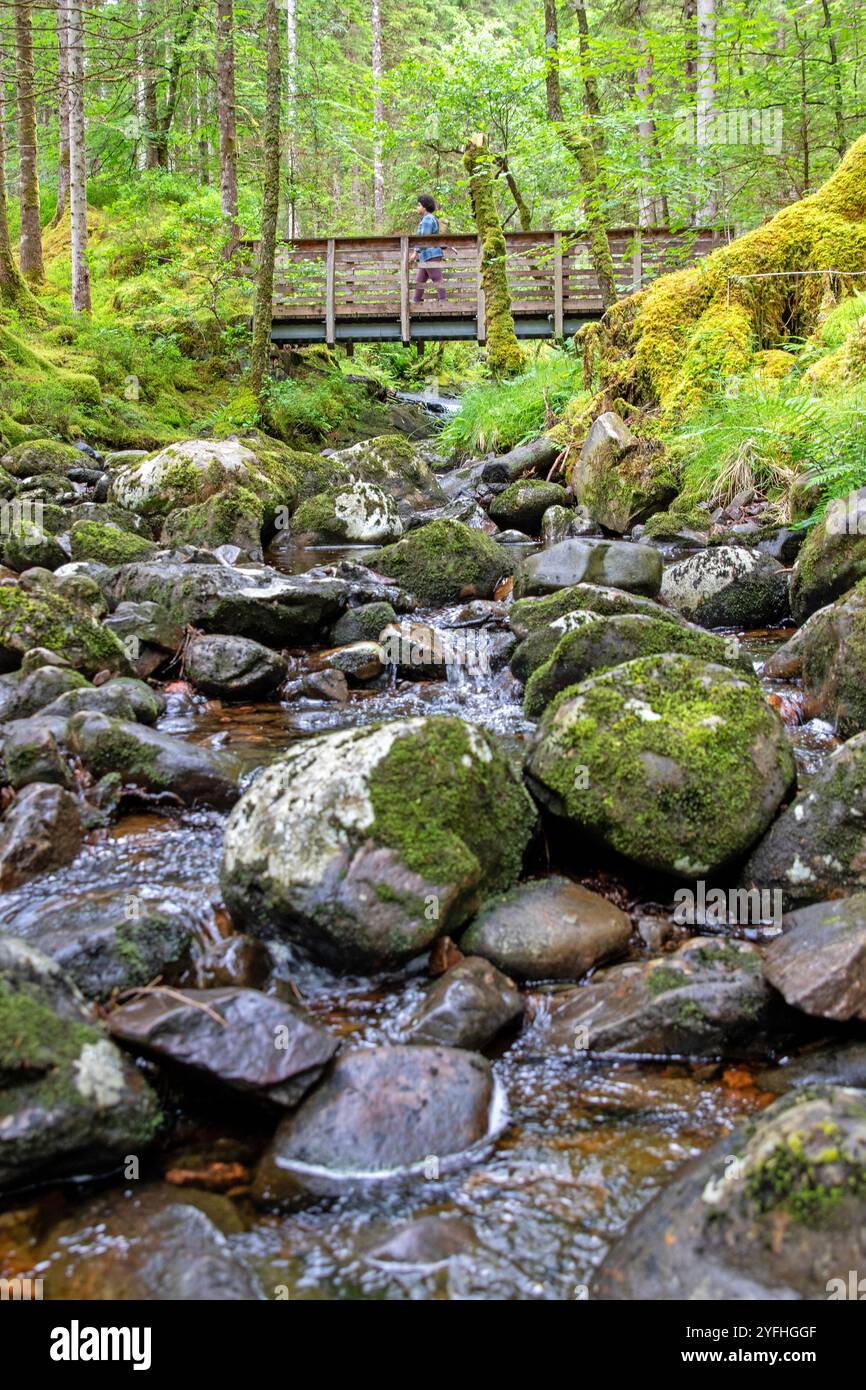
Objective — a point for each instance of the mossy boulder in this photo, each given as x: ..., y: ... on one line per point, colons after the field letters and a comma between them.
x: 445, y: 561
x: 691, y: 527
x: 151, y: 761
x: 45, y: 619
x: 362, y: 624
x: 602, y: 643
x: 828, y: 654
x: 27, y: 547
x: 817, y: 848
x: 233, y: 516
x: 365, y: 845
x: 522, y: 505
x: 70, y: 1102
x: 833, y: 557
x: 677, y: 763
x: 395, y: 465
x: 617, y: 477
x: 728, y: 586
x: 528, y: 615
x: 107, y: 543
x: 37, y: 456
x: 773, y: 1211
x: 708, y: 998
x: 356, y: 513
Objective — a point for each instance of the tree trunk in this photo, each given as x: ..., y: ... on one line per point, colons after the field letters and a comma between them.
x: 201, y: 117
x: 504, y: 353
x: 179, y: 40
x: 150, y: 128
x: 77, y: 157
x: 551, y: 63
x: 836, y: 78
x: 140, y: 84
x: 652, y: 204
x: 63, y: 113
x: 293, y: 153
x: 13, y: 290
x: 264, y: 299
x: 706, y: 100
x: 378, y: 119
x: 520, y: 203
x: 30, y: 246
x: 227, y: 118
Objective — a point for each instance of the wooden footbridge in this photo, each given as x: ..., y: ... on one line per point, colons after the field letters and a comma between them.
x: 360, y: 289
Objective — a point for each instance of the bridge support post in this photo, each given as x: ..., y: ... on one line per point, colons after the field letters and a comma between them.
x: 637, y: 262
x: 558, y: 288
x: 331, y: 294
x: 481, y: 310
x: 405, y: 325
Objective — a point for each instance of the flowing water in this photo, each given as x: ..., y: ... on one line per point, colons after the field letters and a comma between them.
x: 585, y: 1146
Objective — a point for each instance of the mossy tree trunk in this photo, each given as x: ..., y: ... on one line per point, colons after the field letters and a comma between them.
x: 13, y: 290
x: 263, y: 309
x: 504, y: 353
x: 30, y: 246
x: 63, y: 115
x: 228, y: 138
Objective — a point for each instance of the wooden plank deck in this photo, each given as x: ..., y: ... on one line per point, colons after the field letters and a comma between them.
x: 351, y: 289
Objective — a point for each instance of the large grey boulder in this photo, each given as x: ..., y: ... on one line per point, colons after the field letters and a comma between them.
x: 548, y: 929
x: 728, y: 586
x: 585, y: 560
x: 818, y: 964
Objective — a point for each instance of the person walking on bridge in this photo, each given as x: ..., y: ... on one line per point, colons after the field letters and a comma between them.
x: 428, y: 258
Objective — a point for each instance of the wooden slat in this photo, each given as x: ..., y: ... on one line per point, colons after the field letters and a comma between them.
x: 330, y: 304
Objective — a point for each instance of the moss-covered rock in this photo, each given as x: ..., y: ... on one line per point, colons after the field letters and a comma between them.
x: 69, y: 1100
x: 107, y: 544
x: 234, y: 516
x: 773, y: 1211
x: 153, y: 761
x: 363, y: 624
x: 397, y: 833
x: 38, y: 456
x: 833, y: 557
x: 45, y: 619
x: 393, y: 464
x: 445, y: 561
x: 356, y: 513
x: 26, y: 547
x: 531, y: 614
x: 602, y: 643
x: 828, y: 653
x: 522, y: 505
x: 676, y: 763
x: 728, y: 586
x: 619, y: 478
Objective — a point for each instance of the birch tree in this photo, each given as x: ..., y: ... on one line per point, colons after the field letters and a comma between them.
x: 77, y: 156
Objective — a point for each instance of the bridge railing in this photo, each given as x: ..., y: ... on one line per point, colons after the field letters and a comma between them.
x: 355, y: 279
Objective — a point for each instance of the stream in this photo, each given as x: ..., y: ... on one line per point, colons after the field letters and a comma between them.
x: 586, y: 1145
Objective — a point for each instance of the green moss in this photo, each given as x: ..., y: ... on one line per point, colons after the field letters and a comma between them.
x: 663, y: 979
x: 452, y: 807
x: 234, y: 516
x: 108, y: 544
x: 504, y: 353
x: 33, y: 1039
x: 528, y: 615
x: 30, y: 620
x: 670, y: 523
x: 445, y: 561
x: 790, y: 1179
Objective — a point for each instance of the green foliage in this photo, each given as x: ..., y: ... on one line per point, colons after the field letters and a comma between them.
x: 496, y: 417
x: 305, y: 411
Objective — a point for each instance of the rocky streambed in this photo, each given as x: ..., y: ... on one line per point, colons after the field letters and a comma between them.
x: 423, y: 884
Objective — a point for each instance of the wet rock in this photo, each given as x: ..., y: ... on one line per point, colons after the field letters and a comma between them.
x: 325, y: 685
x: 358, y: 661
x: 617, y: 564
x: 833, y: 557
x: 602, y: 643
x: 108, y: 940
x: 70, y: 1102
x: 36, y: 750
x: 121, y: 698
x: 559, y: 523
x: 728, y: 586
x: 149, y: 1243
x: 828, y: 653
x: 355, y: 513
x: 148, y: 632
x: 362, y: 624
x: 108, y: 544
x: 843, y: 1064
x: 382, y: 1111
x: 237, y: 1037
x: 708, y: 998
x: 44, y: 619
x: 782, y: 1221
x: 818, y: 964
x: 151, y: 760
x: 531, y: 614
x: 40, y: 832
x: 445, y: 562
x: 28, y: 546
x: 278, y: 610
x: 418, y: 651
x: 365, y: 844
x: 42, y: 686
x: 425, y: 1244
x: 816, y: 850
x: 522, y: 505
x: 549, y: 929
x: 466, y: 1007
x: 233, y: 668
x: 615, y: 480
x: 676, y: 763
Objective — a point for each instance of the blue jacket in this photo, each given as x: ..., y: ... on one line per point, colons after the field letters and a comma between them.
x: 429, y: 226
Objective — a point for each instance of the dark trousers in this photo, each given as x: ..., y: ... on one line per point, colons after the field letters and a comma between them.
x: 429, y: 270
